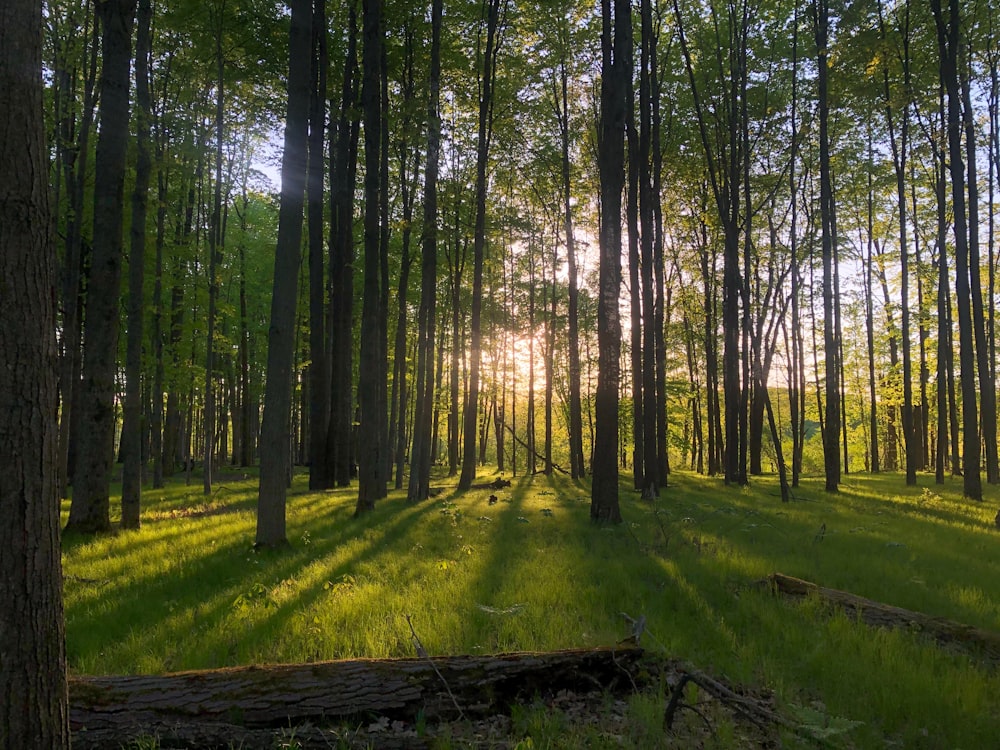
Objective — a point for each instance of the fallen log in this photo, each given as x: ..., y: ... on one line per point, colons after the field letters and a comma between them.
x: 189, y: 709
x: 976, y: 642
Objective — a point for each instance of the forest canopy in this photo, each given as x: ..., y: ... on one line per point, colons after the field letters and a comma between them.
x: 549, y: 236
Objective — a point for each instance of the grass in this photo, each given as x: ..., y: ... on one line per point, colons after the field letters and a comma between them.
x: 531, y: 572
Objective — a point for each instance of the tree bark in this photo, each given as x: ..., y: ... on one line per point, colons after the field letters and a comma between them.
x: 370, y: 470
x: 343, y: 171
x: 948, y: 34
x: 420, y: 456
x: 326, y: 692
x: 487, y: 82
x: 34, y: 710
x: 319, y: 372
x: 616, y: 68
x: 90, y: 509
x: 831, y: 332
x: 274, y: 465
x: 132, y: 411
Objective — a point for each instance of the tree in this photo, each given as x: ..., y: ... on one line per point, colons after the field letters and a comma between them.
x: 132, y: 419
x: 949, y: 39
x: 616, y: 72
x: 90, y: 509
x: 35, y: 708
x: 371, y: 476
x: 319, y: 375
x: 494, y: 29
x: 275, y: 428
x: 831, y: 329
x: 420, y: 456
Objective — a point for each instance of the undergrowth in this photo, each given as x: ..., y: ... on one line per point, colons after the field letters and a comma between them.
x: 530, y: 572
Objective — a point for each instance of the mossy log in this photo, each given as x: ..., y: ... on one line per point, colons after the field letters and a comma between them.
x: 192, y: 709
x: 983, y: 645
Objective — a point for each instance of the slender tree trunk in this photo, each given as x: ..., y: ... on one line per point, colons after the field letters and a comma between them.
x: 575, y: 436
x: 320, y: 476
x: 75, y: 166
x: 132, y: 424
x: 90, y: 509
x: 616, y: 67
x: 494, y: 29
x: 420, y: 456
x: 831, y: 339
x: 274, y: 465
x: 984, y: 363
x: 407, y: 188
x: 214, y: 256
x: 343, y: 169
x: 948, y: 34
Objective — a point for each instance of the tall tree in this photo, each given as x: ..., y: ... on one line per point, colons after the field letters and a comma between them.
x: 900, y: 142
x: 371, y: 485
x: 490, y: 53
x: 35, y: 709
x: 343, y: 170
x: 561, y: 100
x: 74, y: 148
x: 275, y: 428
x: 319, y: 375
x: 948, y: 27
x: 90, y: 509
x: 831, y: 331
x: 420, y: 455
x: 616, y: 72
x: 132, y: 411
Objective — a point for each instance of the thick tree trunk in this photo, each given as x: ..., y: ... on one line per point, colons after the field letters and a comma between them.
x: 33, y: 712
x: 370, y: 471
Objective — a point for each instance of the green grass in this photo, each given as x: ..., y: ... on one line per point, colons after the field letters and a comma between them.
x: 531, y: 572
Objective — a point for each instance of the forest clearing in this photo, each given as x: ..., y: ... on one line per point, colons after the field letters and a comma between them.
x: 531, y: 573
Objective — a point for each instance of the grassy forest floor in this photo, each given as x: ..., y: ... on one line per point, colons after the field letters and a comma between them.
x: 530, y: 572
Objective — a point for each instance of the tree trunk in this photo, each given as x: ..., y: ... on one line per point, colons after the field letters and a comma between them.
x: 319, y: 371
x: 75, y: 169
x: 948, y: 34
x: 575, y: 436
x: 980, y: 644
x: 34, y: 711
x: 132, y: 411
x: 831, y: 334
x: 343, y: 170
x: 328, y: 692
x: 90, y: 509
x: 407, y: 188
x: 423, y: 437
x: 616, y: 67
x: 487, y: 81
x: 370, y: 474
x: 274, y: 465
